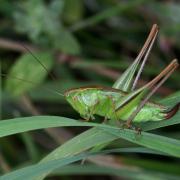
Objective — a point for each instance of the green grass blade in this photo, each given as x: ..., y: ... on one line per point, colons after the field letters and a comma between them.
x: 100, y: 170
x: 33, y: 171
x: 17, y: 125
x: 22, y: 71
x: 156, y: 142
x: 87, y: 139
x: 115, y: 10
x: 30, y: 145
x: 92, y: 137
x: 0, y: 93
x: 172, y: 99
x: 96, y: 136
x: 135, y: 150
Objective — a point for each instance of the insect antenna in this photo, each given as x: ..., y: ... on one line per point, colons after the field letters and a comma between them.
x: 31, y: 82
x: 45, y: 68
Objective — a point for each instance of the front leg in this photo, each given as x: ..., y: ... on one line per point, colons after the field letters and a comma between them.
x: 86, y: 116
x: 92, y: 110
x: 89, y: 115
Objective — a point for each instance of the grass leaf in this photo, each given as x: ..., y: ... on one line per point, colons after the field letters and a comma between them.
x: 122, y: 172
x: 28, y: 69
x: 100, y: 134
x: 110, y: 12
x: 33, y: 171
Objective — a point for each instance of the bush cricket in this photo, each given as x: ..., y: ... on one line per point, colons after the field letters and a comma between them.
x: 122, y: 102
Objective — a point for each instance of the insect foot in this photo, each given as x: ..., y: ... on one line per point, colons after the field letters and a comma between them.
x: 130, y: 126
x: 138, y: 130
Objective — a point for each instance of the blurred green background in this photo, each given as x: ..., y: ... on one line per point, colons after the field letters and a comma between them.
x: 80, y: 42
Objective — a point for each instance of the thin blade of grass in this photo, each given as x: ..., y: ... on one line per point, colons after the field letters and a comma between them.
x: 115, y: 10
x: 123, y: 172
x: 33, y: 171
x: 102, y: 133
x: 89, y: 138
x: 19, y: 125
x: 159, y: 143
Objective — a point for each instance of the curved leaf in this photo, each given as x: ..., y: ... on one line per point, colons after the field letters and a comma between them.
x: 33, y: 171
x: 101, y: 134
x: 28, y: 69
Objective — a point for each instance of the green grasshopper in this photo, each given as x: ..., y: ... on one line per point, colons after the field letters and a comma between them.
x: 122, y: 102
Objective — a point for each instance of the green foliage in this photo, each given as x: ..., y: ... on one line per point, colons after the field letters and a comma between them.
x: 42, y: 25
x: 28, y: 69
x: 35, y: 170
x: 73, y: 11
x: 93, y: 137
x: 171, y: 16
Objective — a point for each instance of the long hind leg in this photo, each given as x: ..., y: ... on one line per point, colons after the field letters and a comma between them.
x: 154, y: 85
